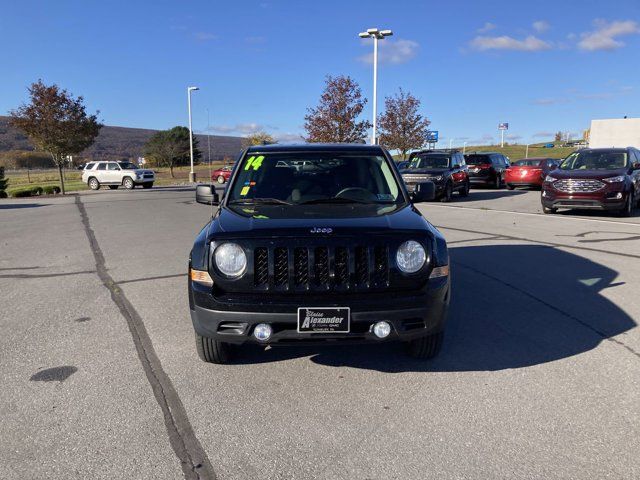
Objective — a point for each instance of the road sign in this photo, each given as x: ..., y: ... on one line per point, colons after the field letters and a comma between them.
x: 432, y: 136
x: 503, y: 126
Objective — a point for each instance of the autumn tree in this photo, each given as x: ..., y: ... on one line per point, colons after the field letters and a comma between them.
x: 335, y: 119
x: 170, y: 148
x: 401, y: 126
x: 558, y: 137
x: 258, y: 138
x: 56, y: 123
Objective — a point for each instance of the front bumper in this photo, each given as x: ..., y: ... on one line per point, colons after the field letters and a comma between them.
x: 420, y: 315
x: 603, y: 201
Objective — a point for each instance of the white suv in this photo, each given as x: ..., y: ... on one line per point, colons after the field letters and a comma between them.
x: 115, y: 174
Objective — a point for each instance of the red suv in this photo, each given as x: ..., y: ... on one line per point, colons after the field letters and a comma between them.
x: 596, y: 178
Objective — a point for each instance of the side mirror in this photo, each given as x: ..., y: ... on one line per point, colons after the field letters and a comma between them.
x: 424, y: 192
x: 207, y: 195
x: 553, y: 167
x: 636, y: 166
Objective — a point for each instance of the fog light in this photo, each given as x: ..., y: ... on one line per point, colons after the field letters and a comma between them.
x: 619, y: 195
x: 262, y: 332
x: 381, y: 329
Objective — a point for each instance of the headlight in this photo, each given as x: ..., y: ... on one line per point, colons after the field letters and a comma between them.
x: 614, y: 179
x: 230, y: 259
x: 438, y: 178
x: 411, y: 257
x: 549, y: 178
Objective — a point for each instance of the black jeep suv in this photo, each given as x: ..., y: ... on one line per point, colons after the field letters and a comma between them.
x: 445, y: 168
x: 317, y: 243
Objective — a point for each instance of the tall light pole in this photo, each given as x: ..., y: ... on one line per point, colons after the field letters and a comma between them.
x: 192, y: 174
x: 464, y: 148
x: 376, y: 34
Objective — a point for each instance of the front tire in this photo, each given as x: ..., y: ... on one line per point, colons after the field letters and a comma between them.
x: 213, y: 351
x: 510, y: 187
x: 465, y: 190
x: 425, y: 347
x: 547, y: 210
x: 498, y: 182
x: 448, y: 193
x: 94, y: 184
x: 220, y: 179
x: 128, y: 183
x: 627, y: 211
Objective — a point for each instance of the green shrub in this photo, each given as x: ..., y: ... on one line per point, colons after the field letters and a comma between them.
x: 51, y: 189
x: 27, y: 192
x: 3, y: 184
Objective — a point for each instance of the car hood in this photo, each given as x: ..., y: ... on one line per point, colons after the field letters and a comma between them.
x: 424, y: 171
x: 279, y: 221
x: 586, y: 174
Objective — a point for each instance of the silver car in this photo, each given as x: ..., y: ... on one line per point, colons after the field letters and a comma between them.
x: 115, y: 174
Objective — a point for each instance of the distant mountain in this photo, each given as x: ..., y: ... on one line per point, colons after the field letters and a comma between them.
x: 116, y: 143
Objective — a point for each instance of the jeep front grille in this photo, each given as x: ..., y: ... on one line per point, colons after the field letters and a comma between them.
x: 578, y: 186
x: 323, y: 268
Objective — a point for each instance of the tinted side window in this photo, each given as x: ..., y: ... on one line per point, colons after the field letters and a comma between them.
x: 113, y: 166
x: 102, y: 166
x: 89, y: 166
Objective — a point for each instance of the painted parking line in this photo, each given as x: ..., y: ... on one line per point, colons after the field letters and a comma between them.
x: 539, y: 215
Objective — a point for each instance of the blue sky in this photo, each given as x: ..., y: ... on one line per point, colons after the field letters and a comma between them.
x: 542, y: 66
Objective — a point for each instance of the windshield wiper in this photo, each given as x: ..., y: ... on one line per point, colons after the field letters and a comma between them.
x: 334, y: 200
x: 262, y: 201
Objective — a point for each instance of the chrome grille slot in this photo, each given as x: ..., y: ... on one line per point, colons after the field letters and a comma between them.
x: 362, y: 265
x: 578, y: 186
x: 281, y: 266
x: 321, y: 266
x: 301, y: 267
x: 341, y: 266
x: 261, y: 266
x: 380, y: 265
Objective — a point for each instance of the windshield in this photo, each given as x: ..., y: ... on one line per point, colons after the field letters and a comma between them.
x: 528, y: 163
x: 127, y: 166
x: 595, y: 160
x: 430, y: 161
x: 477, y: 159
x: 306, y: 178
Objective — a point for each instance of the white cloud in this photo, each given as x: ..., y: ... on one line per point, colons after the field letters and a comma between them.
x: 391, y: 51
x: 544, y: 135
x: 512, y: 137
x: 238, y: 129
x: 541, y: 26
x: 487, y: 27
x: 605, y: 36
x: 528, y: 44
x: 204, y: 36
x: 289, y: 138
x: 550, y: 101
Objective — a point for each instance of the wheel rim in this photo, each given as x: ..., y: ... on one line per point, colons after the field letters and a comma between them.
x: 128, y: 183
x: 220, y: 179
x: 93, y: 184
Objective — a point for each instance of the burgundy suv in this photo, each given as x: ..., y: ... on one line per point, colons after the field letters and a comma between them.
x: 596, y: 178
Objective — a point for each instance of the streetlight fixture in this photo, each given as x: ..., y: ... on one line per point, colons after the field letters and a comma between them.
x: 192, y: 174
x: 376, y: 34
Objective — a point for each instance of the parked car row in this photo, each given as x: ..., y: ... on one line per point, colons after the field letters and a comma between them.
x: 601, y: 179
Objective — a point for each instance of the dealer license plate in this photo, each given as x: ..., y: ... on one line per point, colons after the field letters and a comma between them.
x: 324, y: 319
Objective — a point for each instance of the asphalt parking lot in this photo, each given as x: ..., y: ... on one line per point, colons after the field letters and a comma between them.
x: 538, y: 377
